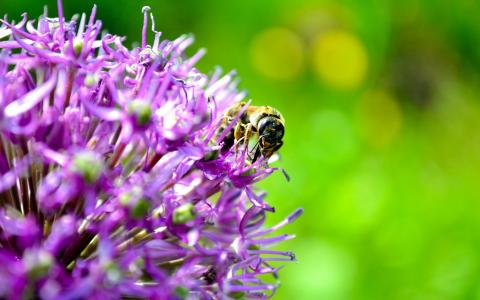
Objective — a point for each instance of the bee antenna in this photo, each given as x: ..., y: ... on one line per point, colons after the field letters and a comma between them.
x: 239, y: 141
x: 256, y: 154
x: 256, y: 148
x: 287, y: 177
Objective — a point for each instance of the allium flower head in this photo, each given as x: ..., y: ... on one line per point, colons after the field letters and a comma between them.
x: 111, y: 180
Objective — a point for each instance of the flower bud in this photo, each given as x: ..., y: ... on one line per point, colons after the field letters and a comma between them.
x: 141, y: 111
x: 37, y: 263
x: 183, y: 214
x: 88, y: 165
x: 77, y: 46
x: 138, y: 207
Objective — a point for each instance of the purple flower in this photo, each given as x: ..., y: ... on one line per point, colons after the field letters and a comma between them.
x: 111, y: 180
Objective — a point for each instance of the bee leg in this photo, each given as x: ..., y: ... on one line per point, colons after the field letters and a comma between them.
x: 257, y: 149
x: 257, y: 154
x: 248, y: 133
x: 228, y: 140
x: 238, y: 133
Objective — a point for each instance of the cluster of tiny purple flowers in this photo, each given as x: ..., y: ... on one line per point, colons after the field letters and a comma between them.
x: 112, y: 184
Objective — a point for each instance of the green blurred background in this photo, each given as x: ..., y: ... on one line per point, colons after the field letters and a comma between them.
x: 381, y: 101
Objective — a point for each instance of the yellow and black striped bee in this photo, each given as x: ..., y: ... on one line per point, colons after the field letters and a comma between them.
x: 264, y: 122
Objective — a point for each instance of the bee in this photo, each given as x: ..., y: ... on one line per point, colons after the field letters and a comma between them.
x: 264, y: 122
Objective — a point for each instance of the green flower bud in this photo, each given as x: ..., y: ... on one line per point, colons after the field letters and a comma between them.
x: 38, y: 263
x: 138, y: 206
x: 211, y: 155
x: 112, y: 271
x: 141, y: 110
x: 140, y: 209
x: 88, y: 165
x: 77, y: 46
x: 183, y: 214
x: 249, y: 172
x: 90, y: 80
x: 181, y: 292
x: 254, y: 247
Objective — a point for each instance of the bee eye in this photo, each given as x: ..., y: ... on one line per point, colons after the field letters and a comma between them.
x: 271, y: 129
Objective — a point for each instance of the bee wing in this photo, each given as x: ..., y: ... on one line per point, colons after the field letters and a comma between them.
x: 275, y: 157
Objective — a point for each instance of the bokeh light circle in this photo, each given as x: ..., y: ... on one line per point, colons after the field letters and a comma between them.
x: 278, y: 53
x: 340, y: 59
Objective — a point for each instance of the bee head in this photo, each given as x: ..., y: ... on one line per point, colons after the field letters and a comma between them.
x: 271, y: 130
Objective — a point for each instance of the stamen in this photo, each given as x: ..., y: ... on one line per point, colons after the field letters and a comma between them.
x: 292, y: 217
x: 273, y: 240
x: 145, y: 11
x: 81, y: 26
x: 61, y: 22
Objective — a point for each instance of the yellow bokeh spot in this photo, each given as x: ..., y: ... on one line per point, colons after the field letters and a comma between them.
x: 340, y: 59
x: 379, y: 118
x: 278, y: 53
